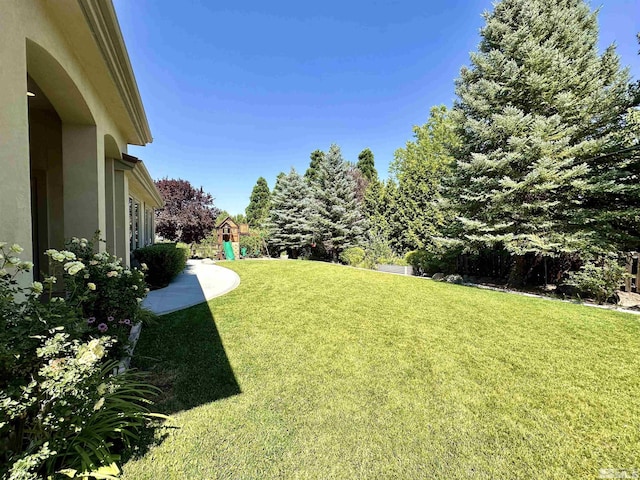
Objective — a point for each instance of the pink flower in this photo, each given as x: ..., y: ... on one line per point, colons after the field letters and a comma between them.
x: 126, y: 321
x: 91, y: 320
x: 103, y: 327
x: 110, y: 319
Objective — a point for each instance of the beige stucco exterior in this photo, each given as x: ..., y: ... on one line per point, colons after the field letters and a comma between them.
x: 63, y: 158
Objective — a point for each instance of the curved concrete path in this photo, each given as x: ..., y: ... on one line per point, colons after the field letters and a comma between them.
x: 200, y: 281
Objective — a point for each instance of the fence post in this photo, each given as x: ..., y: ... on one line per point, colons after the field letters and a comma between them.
x: 627, y: 281
x: 635, y: 257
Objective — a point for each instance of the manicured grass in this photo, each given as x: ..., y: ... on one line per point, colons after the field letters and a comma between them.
x: 311, y: 370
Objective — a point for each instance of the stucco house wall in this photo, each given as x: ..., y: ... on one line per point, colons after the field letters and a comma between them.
x: 63, y: 149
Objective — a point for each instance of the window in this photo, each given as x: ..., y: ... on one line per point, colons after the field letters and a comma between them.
x: 148, y: 226
x: 134, y: 224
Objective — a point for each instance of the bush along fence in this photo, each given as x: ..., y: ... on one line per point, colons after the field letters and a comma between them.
x: 62, y: 409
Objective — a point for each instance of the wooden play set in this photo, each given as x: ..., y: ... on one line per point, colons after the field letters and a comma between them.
x: 229, y: 233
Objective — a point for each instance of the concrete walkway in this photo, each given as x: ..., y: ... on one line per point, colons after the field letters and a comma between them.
x: 200, y: 281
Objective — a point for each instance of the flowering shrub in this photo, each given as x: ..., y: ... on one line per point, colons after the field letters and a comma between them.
x: 61, y: 408
x: 109, y: 294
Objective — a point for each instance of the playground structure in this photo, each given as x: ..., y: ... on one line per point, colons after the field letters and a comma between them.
x: 229, y: 233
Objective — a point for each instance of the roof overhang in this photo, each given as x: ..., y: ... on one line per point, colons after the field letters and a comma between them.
x: 93, y: 34
x: 141, y: 176
x: 103, y: 23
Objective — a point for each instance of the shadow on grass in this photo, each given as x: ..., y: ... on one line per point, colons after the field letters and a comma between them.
x: 185, y: 358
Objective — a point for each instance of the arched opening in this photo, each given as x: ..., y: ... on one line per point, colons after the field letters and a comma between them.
x: 53, y: 101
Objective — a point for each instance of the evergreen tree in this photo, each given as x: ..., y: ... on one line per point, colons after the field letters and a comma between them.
x: 419, y: 169
x: 380, y: 209
x: 339, y: 223
x: 291, y: 214
x: 258, y: 208
x: 366, y: 165
x: 537, y: 103
x: 312, y: 172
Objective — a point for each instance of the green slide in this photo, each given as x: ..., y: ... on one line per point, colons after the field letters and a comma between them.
x: 228, y: 251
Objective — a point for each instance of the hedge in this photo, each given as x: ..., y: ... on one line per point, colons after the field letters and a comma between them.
x: 164, y: 261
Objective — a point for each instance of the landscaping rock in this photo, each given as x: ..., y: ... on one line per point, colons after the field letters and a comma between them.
x: 438, y: 277
x: 457, y: 279
x: 628, y: 299
x: 567, y: 290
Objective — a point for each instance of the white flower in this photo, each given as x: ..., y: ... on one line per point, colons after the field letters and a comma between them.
x: 91, y: 286
x: 73, y: 267
x: 138, y: 300
x: 37, y: 288
x: 127, y: 273
x: 75, y: 240
x: 144, y: 267
x: 146, y: 290
x: 3, y: 273
x: 25, y: 266
x: 94, y: 262
x: 13, y: 260
x: 83, y: 244
x: 58, y: 257
x: 15, y: 248
x: 99, y: 404
x: 68, y: 255
x: 91, y: 352
x: 83, y: 240
x: 112, y: 273
x: 135, y: 287
x: 50, y: 280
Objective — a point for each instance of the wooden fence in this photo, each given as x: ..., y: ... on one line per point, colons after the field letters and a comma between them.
x: 632, y: 282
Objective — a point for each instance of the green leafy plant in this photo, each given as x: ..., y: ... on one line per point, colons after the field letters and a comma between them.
x: 62, y: 409
x: 164, y: 262
x: 108, y: 293
x: 353, y: 256
x: 254, y: 242
x: 598, y: 279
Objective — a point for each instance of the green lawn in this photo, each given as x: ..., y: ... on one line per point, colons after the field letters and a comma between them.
x: 312, y: 370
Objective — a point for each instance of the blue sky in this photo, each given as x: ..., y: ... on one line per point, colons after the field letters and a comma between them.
x: 235, y: 91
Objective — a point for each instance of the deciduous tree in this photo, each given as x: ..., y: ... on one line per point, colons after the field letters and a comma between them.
x: 188, y: 214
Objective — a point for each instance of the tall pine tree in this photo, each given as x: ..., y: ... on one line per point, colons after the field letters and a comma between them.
x: 258, y: 207
x: 536, y: 104
x: 312, y: 172
x: 366, y: 164
x: 339, y: 223
x: 291, y: 214
x: 419, y: 168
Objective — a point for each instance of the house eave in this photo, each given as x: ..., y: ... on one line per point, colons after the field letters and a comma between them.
x: 103, y: 23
